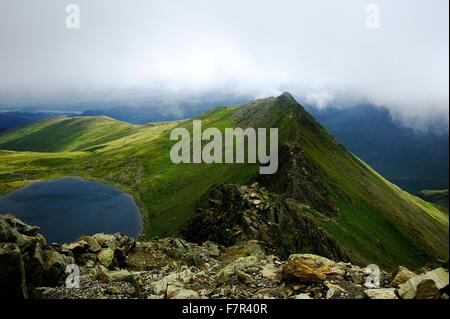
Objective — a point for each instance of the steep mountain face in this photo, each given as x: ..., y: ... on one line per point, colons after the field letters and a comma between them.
x: 411, y: 159
x: 324, y: 189
x: 231, y: 213
x: 303, y: 181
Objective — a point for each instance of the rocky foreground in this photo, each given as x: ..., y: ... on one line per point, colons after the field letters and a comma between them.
x: 116, y: 266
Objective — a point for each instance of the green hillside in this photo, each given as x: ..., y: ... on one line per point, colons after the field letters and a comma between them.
x: 436, y: 196
x: 372, y: 219
x: 65, y: 134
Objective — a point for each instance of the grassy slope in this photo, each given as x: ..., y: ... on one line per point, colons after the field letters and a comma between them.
x: 65, y: 134
x: 381, y: 224
x: 438, y: 197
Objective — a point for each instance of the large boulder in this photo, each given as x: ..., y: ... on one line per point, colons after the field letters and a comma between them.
x: 105, y: 240
x: 109, y: 250
x: 106, y: 257
x: 123, y: 247
x: 427, y: 289
x: 100, y: 273
x: 402, y: 276
x: 120, y: 275
x: 25, y: 260
x: 309, y: 268
x: 92, y: 244
x: 8, y: 234
x: 34, y: 264
x: 76, y: 248
x: 19, y: 225
x: 12, y: 272
x: 408, y: 289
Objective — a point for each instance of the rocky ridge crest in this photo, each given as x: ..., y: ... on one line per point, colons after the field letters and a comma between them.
x: 116, y: 266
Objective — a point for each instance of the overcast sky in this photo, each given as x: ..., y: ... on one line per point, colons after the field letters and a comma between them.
x: 321, y: 51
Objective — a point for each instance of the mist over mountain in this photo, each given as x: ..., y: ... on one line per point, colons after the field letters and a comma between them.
x: 183, y: 49
x: 151, y: 110
x: 413, y: 159
x: 132, y: 106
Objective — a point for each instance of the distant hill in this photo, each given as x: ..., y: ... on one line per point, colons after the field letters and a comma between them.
x: 13, y: 119
x: 164, y: 110
x: 367, y: 218
x: 411, y: 159
x: 130, y: 115
x: 65, y: 134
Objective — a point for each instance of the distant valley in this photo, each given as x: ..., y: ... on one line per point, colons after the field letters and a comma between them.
x: 412, y: 159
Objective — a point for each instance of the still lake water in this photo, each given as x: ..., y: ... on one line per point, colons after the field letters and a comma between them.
x: 67, y: 208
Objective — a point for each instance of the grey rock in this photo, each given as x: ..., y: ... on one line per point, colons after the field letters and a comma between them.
x: 427, y: 290
x: 382, y: 293
x: 408, y: 289
x: 12, y: 272
x: 106, y: 257
x: 403, y: 275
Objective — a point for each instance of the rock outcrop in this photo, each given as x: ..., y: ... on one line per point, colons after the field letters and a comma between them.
x: 118, y: 267
x: 311, y: 268
x: 424, y: 285
x: 25, y: 260
x: 231, y: 213
x: 403, y: 275
x: 299, y: 179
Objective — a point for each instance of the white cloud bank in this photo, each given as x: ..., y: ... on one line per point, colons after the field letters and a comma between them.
x: 321, y: 51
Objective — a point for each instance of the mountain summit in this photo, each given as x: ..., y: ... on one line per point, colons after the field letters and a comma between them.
x: 320, y: 187
x: 286, y: 96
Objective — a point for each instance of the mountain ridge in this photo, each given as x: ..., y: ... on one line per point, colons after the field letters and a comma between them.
x: 370, y: 218
x: 117, y: 266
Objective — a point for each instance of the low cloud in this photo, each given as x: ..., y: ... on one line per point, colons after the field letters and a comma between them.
x: 321, y: 51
